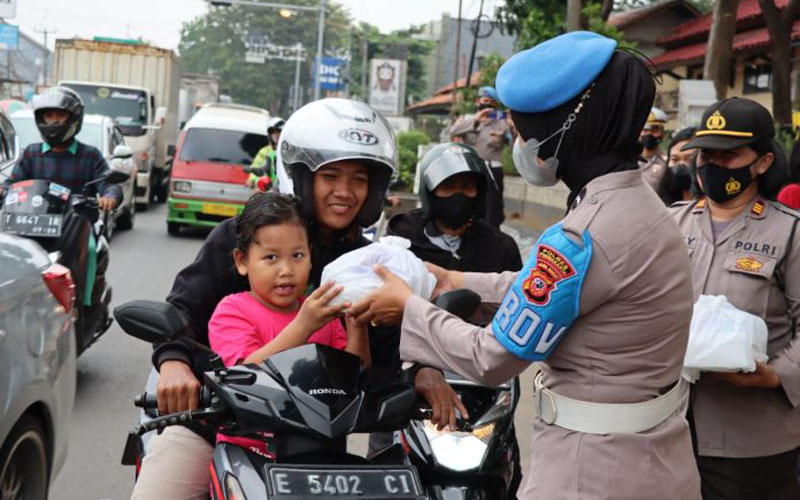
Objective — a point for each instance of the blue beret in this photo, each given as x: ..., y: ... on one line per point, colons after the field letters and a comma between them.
x: 489, y: 92
x: 548, y: 75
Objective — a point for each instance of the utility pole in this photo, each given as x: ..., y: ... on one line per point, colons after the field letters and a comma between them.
x: 458, y: 46
x: 320, y: 37
x: 364, y: 64
x: 45, y: 32
x: 298, y: 55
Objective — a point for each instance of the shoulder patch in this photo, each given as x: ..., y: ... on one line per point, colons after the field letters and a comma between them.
x: 758, y: 208
x: 783, y: 208
x: 544, y: 300
x: 701, y: 204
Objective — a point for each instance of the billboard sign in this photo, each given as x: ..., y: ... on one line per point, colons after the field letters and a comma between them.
x: 387, y: 85
x: 331, y: 75
x: 9, y: 37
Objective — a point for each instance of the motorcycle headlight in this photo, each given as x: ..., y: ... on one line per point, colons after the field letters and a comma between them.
x: 458, y: 451
x: 182, y: 187
x: 233, y: 488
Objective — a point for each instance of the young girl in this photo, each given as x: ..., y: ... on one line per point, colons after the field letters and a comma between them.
x: 272, y: 251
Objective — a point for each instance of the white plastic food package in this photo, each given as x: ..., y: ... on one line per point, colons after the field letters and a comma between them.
x: 723, y: 338
x: 353, y: 270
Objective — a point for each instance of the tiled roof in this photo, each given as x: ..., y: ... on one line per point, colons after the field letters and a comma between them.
x: 622, y: 20
x: 743, y: 41
x: 748, y: 9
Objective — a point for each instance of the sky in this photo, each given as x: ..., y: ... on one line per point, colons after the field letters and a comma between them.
x: 159, y: 21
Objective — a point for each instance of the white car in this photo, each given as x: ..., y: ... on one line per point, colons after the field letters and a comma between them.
x: 103, y: 133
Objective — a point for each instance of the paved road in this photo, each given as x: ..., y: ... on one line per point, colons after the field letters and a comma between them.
x: 144, y: 262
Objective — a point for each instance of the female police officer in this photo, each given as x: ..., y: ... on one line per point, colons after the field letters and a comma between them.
x: 746, y: 247
x: 604, y: 299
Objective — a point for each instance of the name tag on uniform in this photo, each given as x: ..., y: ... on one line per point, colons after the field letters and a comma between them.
x: 544, y: 301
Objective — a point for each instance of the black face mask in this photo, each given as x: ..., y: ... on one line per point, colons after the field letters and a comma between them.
x: 649, y: 141
x: 485, y: 106
x: 722, y: 184
x: 679, y: 181
x: 454, y: 211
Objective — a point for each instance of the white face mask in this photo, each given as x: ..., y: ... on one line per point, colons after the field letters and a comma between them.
x: 526, y: 161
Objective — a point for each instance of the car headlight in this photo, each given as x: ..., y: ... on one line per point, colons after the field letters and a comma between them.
x: 458, y: 451
x: 182, y: 187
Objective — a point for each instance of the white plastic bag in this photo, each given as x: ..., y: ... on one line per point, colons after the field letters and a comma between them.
x: 353, y: 270
x: 723, y: 338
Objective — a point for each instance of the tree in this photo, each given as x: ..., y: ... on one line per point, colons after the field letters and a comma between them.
x: 717, y: 65
x: 779, y: 25
x: 215, y: 43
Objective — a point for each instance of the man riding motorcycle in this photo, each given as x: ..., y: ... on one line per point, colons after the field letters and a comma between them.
x: 340, y: 183
x: 266, y: 156
x: 61, y: 158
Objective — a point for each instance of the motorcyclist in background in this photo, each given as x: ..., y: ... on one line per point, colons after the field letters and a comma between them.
x: 266, y: 156
x: 448, y: 230
x: 61, y: 158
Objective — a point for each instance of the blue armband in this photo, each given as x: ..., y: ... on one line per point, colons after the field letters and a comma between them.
x: 544, y: 300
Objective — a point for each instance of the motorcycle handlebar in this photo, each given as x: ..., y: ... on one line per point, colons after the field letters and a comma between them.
x: 149, y: 400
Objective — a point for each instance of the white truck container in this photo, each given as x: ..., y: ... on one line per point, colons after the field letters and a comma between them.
x: 196, y: 90
x: 137, y: 85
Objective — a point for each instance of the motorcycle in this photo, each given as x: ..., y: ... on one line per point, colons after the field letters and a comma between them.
x: 479, y: 460
x: 61, y: 222
x: 310, y: 398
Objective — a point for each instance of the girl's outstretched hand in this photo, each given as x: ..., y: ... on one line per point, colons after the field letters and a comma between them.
x: 316, y: 310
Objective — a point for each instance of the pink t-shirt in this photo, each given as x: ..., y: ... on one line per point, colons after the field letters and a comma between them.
x: 241, y: 325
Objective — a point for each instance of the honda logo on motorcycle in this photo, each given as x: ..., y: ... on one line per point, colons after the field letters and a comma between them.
x: 358, y: 136
x: 326, y: 391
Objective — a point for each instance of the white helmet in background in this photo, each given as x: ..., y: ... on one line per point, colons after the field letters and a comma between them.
x: 330, y: 130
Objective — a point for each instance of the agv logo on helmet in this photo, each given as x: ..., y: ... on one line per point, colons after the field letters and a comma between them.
x: 359, y: 136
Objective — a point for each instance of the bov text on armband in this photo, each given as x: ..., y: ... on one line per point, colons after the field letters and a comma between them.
x: 544, y: 301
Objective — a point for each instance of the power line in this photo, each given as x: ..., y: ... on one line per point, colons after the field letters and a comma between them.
x: 45, y: 32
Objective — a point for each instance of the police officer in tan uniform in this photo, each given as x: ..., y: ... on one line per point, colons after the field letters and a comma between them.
x: 604, y: 298
x: 745, y: 246
x: 487, y: 131
x: 654, y: 165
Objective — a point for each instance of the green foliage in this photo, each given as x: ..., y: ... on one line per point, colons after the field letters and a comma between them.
x: 407, y: 144
x: 379, y: 46
x: 535, y: 22
x: 213, y: 43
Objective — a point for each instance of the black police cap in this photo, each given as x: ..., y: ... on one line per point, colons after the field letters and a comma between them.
x: 732, y: 123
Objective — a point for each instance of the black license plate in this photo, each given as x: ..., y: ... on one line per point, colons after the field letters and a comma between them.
x: 33, y: 224
x: 296, y: 482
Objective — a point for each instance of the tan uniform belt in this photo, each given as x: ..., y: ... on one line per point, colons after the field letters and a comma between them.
x: 604, y: 418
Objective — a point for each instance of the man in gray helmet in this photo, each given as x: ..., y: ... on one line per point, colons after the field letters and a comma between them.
x: 61, y: 158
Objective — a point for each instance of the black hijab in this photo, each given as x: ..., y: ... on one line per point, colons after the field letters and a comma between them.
x: 604, y: 137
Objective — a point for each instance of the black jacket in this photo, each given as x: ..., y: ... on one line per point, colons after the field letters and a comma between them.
x: 484, y: 248
x: 201, y: 285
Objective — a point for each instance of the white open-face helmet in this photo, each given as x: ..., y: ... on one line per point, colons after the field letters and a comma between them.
x: 330, y: 130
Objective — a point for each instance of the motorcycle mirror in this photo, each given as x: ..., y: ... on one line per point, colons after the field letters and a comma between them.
x: 122, y: 151
x: 150, y: 321
x: 461, y: 302
x: 116, y: 177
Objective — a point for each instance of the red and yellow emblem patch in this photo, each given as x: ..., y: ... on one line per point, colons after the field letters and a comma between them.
x: 758, y: 208
x: 551, y: 267
x: 749, y: 264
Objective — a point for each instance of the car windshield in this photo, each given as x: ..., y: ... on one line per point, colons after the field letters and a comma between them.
x: 221, y: 146
x: 91, y: 133
x: 127, y: 107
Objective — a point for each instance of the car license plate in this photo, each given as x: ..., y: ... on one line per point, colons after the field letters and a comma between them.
x: 342, y: 483
x: 33, y: 225
x: 218, y: 209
